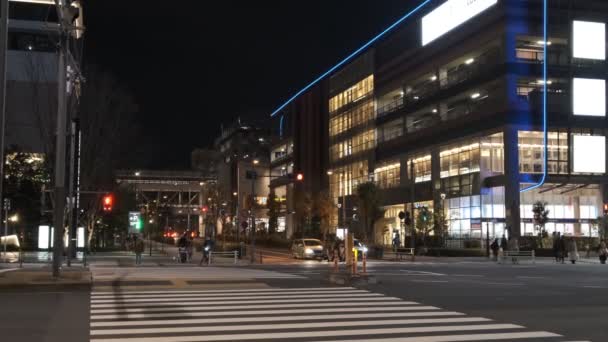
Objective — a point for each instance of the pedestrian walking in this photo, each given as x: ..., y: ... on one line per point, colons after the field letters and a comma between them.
x: 562, y: 249
x: 513, y: 246
x: 138, y: 247
x: 603, y: 252
x: 206, y: 250
x: 396, y: 242
x: 572, y: 251
x: 503, y: 243
x: 556, y: 249
x: 189, y: 247
x: 495, y: 247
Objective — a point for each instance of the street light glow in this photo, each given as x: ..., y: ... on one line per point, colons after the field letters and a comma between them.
x: 14, y: 218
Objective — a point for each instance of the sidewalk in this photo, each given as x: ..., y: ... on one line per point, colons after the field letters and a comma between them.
x: 76, y: 277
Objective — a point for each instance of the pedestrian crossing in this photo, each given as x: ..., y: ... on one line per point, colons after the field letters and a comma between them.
x: 336, y: 314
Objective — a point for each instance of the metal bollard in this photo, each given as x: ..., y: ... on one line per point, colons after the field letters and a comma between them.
x: 209, y: 258
x: 364, y: 257
x: 355, y: 262
x: 261, y: 258
x: 236, y: 254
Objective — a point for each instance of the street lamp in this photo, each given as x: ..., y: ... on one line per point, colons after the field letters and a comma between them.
x: 14, y: 218
x: 256, y: 162
x: 137, y: 174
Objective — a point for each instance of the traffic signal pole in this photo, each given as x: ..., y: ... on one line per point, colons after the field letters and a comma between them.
x: 252, y: 220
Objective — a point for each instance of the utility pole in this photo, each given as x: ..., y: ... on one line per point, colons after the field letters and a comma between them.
x: 7, y: 207
x: 3, y: 47
x: 253, y: 177
x: 413, y: 199
x: 60, y: 147
x: 73, y: 217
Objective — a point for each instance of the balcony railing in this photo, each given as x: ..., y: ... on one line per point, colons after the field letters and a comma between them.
x: 465, y: 72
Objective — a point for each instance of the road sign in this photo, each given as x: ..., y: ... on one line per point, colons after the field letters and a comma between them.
x: 135, y: 222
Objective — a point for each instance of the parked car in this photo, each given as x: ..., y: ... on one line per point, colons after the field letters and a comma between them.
x: 308, y: 249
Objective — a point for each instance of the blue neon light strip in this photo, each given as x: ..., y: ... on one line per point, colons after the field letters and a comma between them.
x: 351, y: 56
x: 545, y: 133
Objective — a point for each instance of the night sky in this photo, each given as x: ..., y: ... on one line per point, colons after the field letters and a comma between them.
x: 194, y: 64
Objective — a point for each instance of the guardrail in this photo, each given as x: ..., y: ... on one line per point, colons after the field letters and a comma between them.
x: 234, y: 254
x: 515, y: 255
x: 400, y: 253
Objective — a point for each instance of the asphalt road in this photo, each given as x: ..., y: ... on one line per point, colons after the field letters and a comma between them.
x: 44, y: 316
x: 566, y: 299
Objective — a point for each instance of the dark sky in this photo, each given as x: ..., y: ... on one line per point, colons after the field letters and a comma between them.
x: 194, y: 64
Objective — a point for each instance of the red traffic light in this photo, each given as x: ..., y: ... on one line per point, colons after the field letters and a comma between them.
x: 300, y: 177
x: 205, y: 209
x: 108, y: 202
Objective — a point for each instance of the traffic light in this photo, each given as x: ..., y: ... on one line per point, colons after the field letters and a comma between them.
x: 205, y: 209
x: 606, y: 209
x: 108, y: 202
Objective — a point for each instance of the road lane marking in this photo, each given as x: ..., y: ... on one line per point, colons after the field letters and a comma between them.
x: 422, y: 273
x: 275, y: 326
x: 242, y: 302
x: 197, y: 307
x: 298, y: 318
x: 407, y: 313
x: 232, y: 298
x: 460, y: 338
x: 468, y: 275
x: 312, y: 334
x: 311, y: 290
x: 428, y: 281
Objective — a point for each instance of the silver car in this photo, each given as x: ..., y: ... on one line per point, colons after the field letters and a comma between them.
x: 307, y: 249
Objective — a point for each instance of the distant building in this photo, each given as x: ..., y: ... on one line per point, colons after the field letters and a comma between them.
x: 243, y: 148
x: 300, y: 147
x: 446, y: 112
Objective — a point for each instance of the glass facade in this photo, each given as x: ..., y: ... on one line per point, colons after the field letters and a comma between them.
x: 422, y: 168
x: 344, y: 180
x: 388, y: 175
x: 460, y: 159
x: 353, y: 145
x: 531, y: 152
x: 493, y: 154
x: 572, y: 209
x: 358, y: 115
x: 355, y: 93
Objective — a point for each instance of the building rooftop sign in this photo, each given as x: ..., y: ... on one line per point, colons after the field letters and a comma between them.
x: 450, y: 15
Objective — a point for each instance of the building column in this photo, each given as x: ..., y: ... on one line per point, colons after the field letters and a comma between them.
x: 576, y: 201
x: 512, y: 194
x: 436, y: 178
x: 289, y: 217
x: 403, y: 172
x: 201, y: 217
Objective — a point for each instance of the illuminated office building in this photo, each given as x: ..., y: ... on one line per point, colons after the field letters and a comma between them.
x: 446, y: 111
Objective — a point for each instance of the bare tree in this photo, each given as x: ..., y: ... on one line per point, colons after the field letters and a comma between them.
x: 106, y: 119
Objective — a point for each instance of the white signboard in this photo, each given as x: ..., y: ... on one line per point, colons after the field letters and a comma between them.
x: 589, y: 97
x: 589, y: 154
x: 450, y: 15
x: 589, y: 40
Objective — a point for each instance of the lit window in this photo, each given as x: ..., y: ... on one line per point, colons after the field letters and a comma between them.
x: 589, y: 97
x: 589, y: 40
